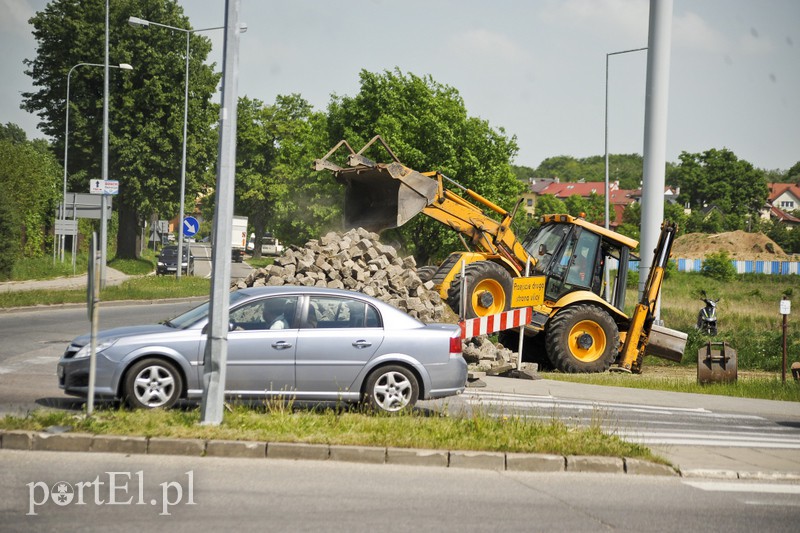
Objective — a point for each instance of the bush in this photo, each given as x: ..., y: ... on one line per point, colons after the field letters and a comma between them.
x: 9, y: 238
x: 719, y: 266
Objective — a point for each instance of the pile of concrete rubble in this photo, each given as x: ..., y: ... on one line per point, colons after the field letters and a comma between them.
x: 355, y: 260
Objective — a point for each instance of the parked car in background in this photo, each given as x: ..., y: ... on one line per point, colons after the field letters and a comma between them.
x: 304, y: 343
x: 269, y: 245
x: 168, y: 261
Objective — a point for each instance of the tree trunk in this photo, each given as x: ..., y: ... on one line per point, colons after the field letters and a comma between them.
x: 128, y: 232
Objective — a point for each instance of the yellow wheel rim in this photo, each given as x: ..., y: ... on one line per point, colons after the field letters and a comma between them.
x: 488, y: 298
x: 587, y: 341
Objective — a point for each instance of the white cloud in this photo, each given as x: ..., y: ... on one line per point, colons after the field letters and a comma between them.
x: 689, y: 30
x: 14, y: 16
x: 627, y: 18
x: 484, y: 46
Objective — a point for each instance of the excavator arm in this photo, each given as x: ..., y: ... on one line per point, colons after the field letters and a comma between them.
x: 381, y: 196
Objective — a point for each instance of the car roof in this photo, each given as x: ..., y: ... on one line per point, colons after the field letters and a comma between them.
x: 279, y: 290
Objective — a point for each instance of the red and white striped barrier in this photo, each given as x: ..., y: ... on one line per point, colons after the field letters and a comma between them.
x: 493, y: 323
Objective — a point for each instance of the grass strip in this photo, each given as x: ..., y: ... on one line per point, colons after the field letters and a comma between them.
x: 143, y: 288
x: 765, y: 388
x: 281, y: 423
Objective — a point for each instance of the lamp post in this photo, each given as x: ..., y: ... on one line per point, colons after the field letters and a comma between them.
x: 606, y: 126
x: 607, y: 221
x: 123, y: 66
x: 136, y: 21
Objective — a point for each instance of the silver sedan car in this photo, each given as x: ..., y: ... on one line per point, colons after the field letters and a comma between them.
x: 304, y: 343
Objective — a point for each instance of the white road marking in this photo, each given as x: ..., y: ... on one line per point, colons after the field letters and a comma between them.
x: 734, y: 486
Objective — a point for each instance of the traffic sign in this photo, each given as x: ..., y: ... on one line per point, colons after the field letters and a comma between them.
x: 109, y: 187
x: 528, y: 291
x: 190, y: 226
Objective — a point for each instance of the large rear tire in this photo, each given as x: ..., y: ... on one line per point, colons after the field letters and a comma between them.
x: 427, y: 272
x: 489, y: 288
x: 581, y: 339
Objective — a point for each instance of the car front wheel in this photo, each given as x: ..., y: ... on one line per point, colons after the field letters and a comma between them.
x: 391, y: 389
x: 152, y: 383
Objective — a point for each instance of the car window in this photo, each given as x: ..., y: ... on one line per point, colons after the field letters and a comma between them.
x: 339, y: 312
x: 269, y: 313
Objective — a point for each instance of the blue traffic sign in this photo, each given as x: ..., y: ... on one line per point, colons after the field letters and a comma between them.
x: 190, y: 226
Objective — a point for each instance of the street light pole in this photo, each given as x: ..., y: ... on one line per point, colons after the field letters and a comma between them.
x: 123, y: 66
x: 136, y: 21
x: 606, y: 127
x: 607, y: 203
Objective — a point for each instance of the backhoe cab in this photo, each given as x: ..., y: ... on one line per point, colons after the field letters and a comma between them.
x: 580, y: 326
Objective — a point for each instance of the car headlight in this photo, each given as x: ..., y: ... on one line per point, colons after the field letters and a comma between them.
x: 161, y: 263
x: 84, y: 352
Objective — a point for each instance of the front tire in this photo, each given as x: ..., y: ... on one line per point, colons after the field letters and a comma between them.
x: 489, y: 288
x: 582, y: 339
x: 426, y: 273
x: 391, y: 389
x: 152, y: 383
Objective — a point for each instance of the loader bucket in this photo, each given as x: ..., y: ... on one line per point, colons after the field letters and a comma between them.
x: 384, y: 196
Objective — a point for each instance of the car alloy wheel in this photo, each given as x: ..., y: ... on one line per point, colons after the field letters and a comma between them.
x: 391, y: 389
x: 152, y: 383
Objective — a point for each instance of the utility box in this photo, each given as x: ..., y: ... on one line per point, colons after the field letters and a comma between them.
x: 717, y: 362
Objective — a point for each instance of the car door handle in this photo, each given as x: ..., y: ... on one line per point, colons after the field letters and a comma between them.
x: 362, y: 344
x: 281, y: 345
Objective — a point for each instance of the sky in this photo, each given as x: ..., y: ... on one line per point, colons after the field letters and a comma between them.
x: 535, y: 68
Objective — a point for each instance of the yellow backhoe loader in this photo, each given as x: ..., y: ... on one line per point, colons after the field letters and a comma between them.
x: 576, y: 328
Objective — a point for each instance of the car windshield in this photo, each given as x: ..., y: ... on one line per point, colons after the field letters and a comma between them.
x: 200, y: 312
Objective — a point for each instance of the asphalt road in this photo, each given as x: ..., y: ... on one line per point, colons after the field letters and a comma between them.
x: 204, y: 494
x: 692, y: 430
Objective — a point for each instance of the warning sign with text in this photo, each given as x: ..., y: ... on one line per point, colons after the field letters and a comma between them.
x: 528, y: 292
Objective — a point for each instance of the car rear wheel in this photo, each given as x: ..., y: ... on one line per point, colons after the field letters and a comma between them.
x: 391, y: 389
x: 152, y: 383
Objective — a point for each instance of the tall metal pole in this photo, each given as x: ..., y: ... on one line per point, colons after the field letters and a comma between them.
x: 103, y: 219
x: 183, y: 161
x: 136, y: 21
x: 607, y: 281
x: 655, y: 135
x: 215, y: 357
x: 123, y: 66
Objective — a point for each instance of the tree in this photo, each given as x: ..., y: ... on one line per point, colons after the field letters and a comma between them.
x: 719, y: 178
x: 145, y: 105
x: 276, y: 186
x: 793, y: 174
x: 12, y: 132
x: 9, y: 237
x: 549, y: 204
x: 427, y: 126
x: 625, y: 168
x: 28, y: 177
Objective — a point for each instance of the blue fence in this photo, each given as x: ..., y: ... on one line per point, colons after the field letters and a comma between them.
x: 745, y: 267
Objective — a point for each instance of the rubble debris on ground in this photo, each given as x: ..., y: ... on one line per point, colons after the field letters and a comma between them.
x: 487, y: 358
x: 358, y: 261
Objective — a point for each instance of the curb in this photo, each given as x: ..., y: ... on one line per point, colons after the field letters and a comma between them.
x: 497, y: 461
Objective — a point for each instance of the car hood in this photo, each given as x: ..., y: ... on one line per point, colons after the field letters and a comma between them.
x: 118, y: 333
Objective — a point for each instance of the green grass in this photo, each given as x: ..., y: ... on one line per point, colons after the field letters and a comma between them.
x: 261, y: 262
x: 142, y: 288
x: 764, y: 387
x: 43, y: 267
x: 277, y: 422
x: 136, y: 267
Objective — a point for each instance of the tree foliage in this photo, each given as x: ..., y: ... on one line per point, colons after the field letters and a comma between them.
x: 276, y: 187
x: 145, y: 105
x: 719, y: 178
x: 29, y: 175
x: 626, y: 168
x: 427, y: 126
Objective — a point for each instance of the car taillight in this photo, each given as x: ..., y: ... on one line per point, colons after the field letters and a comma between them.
x: 455, y: 344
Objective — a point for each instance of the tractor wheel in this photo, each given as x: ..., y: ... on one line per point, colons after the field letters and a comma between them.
x: 582, y: 338
x: 426, y: 273
x: 489, y: 290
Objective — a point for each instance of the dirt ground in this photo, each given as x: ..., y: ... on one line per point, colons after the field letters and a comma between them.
x: 739, y: 245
